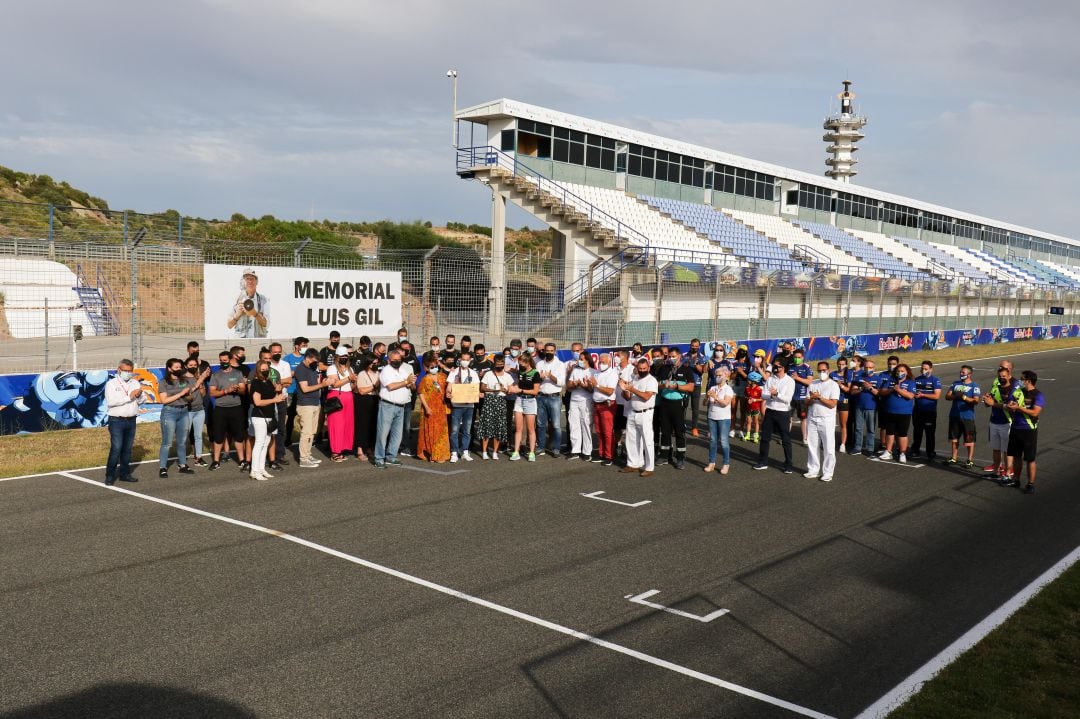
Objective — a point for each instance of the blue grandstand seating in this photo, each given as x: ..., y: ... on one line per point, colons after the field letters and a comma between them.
x: 944, y: 259
x: 732, y: 236
x: 1012, y: 270
x: 863, y: 250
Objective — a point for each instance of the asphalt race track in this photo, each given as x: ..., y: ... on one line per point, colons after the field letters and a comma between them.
x: 498, y: 589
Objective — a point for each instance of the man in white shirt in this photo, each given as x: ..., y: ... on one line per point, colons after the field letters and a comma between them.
x: 640, y: 396
x: 395, y: 391
x: 548, y: 405
x: 461, y: 416
x: 123, y: 395
x: 579, y: 381
x: 821, y: 400
x: 777, y: 393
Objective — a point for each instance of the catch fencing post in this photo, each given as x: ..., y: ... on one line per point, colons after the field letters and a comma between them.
x: 52, y: 237
x: 46, y: 332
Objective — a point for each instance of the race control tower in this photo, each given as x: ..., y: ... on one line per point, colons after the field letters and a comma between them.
x: 842, y: 136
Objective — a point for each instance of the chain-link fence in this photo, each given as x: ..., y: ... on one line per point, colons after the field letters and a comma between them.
x: 139, y: 293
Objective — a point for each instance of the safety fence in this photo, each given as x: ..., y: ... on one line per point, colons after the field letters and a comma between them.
x: 67, y: 305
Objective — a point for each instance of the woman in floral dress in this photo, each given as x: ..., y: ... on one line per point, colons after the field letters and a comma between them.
x: 433, y: 443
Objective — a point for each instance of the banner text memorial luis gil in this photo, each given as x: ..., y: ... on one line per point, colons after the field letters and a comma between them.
x: 323, y: 317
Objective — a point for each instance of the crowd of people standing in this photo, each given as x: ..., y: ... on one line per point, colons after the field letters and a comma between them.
x: 628, y: 407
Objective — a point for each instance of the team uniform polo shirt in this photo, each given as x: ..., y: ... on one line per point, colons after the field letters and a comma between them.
x: 223, y: 380
x: 839, y: 378
x: 865, y: 399
x: 961, y: 409
x: 802, y: 371
x: 927, y: 384
x: 894, y: 403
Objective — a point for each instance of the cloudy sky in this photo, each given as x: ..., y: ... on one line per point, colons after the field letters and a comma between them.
x: 341, y: 108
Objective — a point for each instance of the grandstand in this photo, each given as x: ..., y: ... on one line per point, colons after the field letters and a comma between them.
x: 634, y: 211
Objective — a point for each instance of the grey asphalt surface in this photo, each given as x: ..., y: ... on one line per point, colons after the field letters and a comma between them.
x: 111, y: 605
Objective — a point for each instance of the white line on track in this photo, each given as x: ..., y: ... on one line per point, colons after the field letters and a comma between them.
x: 581, y: 636
x: 912, y: 684
x: 1010, y: 356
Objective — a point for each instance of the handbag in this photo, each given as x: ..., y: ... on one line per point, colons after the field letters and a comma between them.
x: 271, y: 425
x: 331, y: 405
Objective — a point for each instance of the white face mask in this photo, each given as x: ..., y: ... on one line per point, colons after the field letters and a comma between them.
x: 582, y: 363
x: 604, y: 367
x: 465, y: 363
x: 823, y: 376
x: 125, y: 375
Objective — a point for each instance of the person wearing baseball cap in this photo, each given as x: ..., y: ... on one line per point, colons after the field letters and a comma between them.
x: 249, y: 316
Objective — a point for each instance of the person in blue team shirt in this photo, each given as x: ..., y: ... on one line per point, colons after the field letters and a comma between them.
x: 864, y: 395
x: 740, y: 369
x: 803, y: 375
x: 927, y: 394
x: 884, y: 381
x: 964, y: 395
x: 898, y: 404
x: 698, y: 361
x: 842, y: 376
x: 1025, y: 411
x: 300, y: 345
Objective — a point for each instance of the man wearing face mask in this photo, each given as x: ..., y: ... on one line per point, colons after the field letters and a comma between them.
x: 778, y: 391
x: 821, y: 401
x: 300, y: 345
x: 640, y: 396
x: 800, y: 371
x: 886, y: 380
x: 552, y: 373
x: 402, y: 336
x: 605, y: 385
x: 964, y: 395
x: 740, y: 369
x: 786, y: 356
x: 924, y: 420
x: 449, y: 356
x: 461, y: 416
x: 327, y: 353
x: 530, y: 347
x: 395, y: 391
x: 123, y: 395
x: 227, y: 386
x: 309, y: 387
x: 696, y: 360
x: 676, y: 383
x: 1004, y: 389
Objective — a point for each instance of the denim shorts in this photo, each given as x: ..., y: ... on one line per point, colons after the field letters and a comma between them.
x: 525, y: 405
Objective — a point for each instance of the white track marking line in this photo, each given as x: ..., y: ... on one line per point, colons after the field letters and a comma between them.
x: 1009, y: 356
x: 909, y: 465
x: 581, y: 636
x: 641, y: 599
x: 596, y: 495
x: 445, y: 473
x: 912, y: 684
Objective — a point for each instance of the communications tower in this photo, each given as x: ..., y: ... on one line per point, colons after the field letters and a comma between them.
x: 843, y: 135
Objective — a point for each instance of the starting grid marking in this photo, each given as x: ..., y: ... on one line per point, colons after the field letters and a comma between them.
x: 501, y: 609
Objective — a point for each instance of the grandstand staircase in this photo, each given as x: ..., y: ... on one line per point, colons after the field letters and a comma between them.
x: 98, y: 302
x: 578, y: 221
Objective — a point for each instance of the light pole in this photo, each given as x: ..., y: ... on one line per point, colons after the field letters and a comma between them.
x: 453, y: 74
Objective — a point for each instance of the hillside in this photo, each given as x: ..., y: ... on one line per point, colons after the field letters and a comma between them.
x: 79, y: 216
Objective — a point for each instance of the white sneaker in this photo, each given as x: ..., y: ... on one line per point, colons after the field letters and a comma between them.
x: 483, y: 454
x: 903, y: 458
x: 731, y: 434
x: 826, y: 479
x: 886, y: 455
x: 842, y: 450
x: 810, y: 475
x: 495, y: 455
x: 259, y: 477
x: 453, y: 457
x: 466, y: 456
x: 741, y: 433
